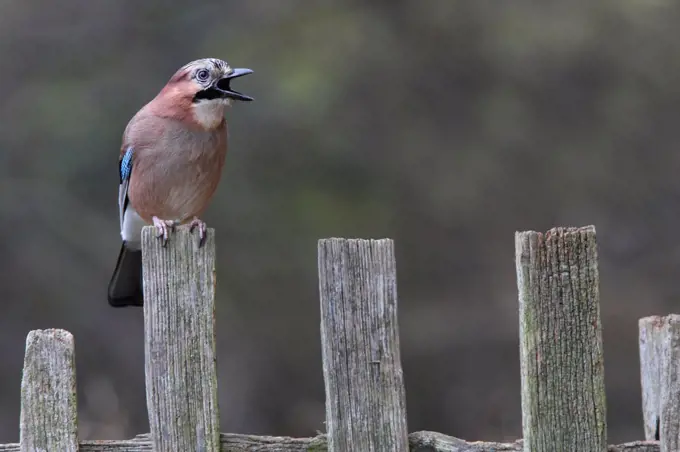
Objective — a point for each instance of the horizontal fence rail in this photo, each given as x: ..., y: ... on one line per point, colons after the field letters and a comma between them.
x: 561, y: 358
x: 423, y: 441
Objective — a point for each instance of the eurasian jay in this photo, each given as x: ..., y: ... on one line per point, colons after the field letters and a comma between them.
x: 170, y: 163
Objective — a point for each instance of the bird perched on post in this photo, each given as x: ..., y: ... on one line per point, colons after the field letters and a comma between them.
x: 170, y: 163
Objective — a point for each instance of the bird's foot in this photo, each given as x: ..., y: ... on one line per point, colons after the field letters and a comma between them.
x: 202, y: 228
x: 164, y: 228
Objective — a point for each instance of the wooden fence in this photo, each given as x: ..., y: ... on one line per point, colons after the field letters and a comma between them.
x: 562, y: 376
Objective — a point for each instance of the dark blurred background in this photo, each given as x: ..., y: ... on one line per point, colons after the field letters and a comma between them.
x: 445, y: 125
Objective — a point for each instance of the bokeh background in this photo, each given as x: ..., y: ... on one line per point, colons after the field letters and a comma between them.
x: 445, y: 125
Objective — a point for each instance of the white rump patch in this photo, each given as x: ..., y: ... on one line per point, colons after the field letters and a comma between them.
x: 132, y: 228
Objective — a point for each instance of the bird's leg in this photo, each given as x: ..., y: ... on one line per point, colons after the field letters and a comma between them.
x: 164, y: 228
x: 202, y: 228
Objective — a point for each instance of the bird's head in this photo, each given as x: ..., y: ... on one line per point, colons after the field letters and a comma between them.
x: 203, y: 87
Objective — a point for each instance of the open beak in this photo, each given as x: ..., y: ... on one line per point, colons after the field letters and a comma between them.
x: 223, y: 85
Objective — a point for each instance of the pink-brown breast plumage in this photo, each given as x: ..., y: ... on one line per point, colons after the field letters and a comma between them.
x: 177, y: 166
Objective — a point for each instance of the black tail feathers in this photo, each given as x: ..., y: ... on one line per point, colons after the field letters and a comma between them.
x: 125, y: 287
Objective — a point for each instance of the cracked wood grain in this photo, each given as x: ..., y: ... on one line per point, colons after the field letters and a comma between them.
x: 364, y: 384
x: 660, y: 378
x: 561, y: 357
x: 48, y: 393
x: 181, y: 370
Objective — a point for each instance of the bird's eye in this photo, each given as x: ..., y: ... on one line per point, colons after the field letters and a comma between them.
x: 202, y: 75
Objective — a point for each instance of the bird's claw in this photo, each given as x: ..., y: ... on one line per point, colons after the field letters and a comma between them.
x: 164, y: 228
x: 202, y: 229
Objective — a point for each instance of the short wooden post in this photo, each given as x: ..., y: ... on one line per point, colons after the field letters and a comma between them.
x: 561, y: 357
x: 660, y: 378
x: 181, y: 368
x: 365, y: 396
x: 48, y: 393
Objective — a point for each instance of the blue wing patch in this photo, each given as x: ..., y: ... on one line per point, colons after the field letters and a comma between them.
x: 124, y: 170
x: 126, y: 165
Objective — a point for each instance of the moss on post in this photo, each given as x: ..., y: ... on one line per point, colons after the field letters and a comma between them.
x: 561, y: 357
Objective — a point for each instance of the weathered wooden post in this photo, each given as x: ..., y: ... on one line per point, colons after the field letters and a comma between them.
x: 365, y: 396
x: 561, y: 357
x: 181, y: 368
x: 660, y: 378
x: 48, y: 393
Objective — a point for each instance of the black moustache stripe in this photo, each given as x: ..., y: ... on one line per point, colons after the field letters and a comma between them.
x: 207, y: 94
